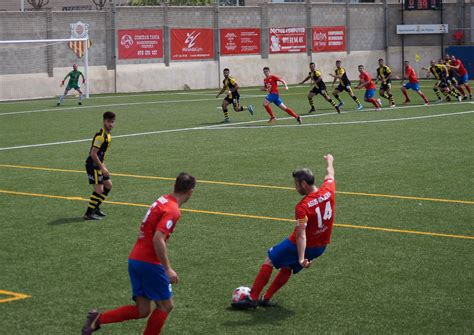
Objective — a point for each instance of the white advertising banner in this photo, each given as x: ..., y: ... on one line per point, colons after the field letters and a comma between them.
x: 422, y: 29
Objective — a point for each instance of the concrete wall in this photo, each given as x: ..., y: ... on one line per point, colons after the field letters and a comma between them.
x: 366, y: 25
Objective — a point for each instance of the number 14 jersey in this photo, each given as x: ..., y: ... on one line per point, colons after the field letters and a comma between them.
x: 318, y: 209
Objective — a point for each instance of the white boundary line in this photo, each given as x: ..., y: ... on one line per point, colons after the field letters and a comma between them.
x: 233, y: 126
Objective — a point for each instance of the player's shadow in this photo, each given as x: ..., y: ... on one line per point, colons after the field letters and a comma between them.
x: 62, y: 221
x: 271, y: 315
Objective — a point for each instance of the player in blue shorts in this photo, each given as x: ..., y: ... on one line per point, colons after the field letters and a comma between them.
x: 314, y: 216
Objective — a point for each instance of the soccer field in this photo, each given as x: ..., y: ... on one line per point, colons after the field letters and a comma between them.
x: 402, y: 251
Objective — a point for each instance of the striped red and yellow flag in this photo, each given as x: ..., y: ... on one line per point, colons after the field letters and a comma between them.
x: 79, y: 47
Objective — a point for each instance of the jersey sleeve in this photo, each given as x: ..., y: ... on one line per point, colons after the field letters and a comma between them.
x: 387, y: 69
x: 329, y: 184
x: 98, y: 141
x: 233, y: 82
x: 167, y: 222
x: 300, y: 212
x: 276, y: 78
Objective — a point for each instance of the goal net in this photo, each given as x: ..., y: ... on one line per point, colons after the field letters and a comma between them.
x: 34, y: 69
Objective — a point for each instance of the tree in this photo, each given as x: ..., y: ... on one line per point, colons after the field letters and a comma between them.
x: 38, y: 4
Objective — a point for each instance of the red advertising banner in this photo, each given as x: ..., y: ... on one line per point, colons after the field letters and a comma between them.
x: 192, y: 44
x: 140, y: 43
x: 329, y: 38
x: 240, y: 41
x: 285, y: 40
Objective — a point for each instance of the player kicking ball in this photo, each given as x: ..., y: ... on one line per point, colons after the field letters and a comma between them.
x: 73, y: 83
x: 232, y: 88
x: 413, y: 84
x: 149, y: 268
x: 271, y: 86
x: 314, y: 216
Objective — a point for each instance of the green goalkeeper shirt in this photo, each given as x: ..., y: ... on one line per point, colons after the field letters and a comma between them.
x: 74, y: 77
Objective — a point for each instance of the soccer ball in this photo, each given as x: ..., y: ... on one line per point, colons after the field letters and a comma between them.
x: 240, y: 293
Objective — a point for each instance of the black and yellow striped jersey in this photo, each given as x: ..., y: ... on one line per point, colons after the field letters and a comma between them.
x: 383, y: 72
x: 439, y: 71
x: 315, y: 75
x: 344, y: 80
x: 229, y: 83
x: 100, y: 141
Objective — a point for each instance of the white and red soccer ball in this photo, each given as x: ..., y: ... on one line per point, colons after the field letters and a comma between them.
x: 240, y: 293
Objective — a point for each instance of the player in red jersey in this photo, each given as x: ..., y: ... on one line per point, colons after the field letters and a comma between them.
x: 314, y: 216
x: 273, y: 96
x: 413, y: 84
x: 365, y: 80
x: 149, y: 268
x: 463, y: 75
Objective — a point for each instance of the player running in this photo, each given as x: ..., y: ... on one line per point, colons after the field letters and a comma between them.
x: 149, y: 268
x: 440, y: 73
x: 413, y: 84
x: 319, y: 87
x: 231, y: 87
x: 273, y: 96
x: 97, y: 172
x: 344, y: 85
x: 384, y: 74
x: 314, y: 216
x: 463, y: 75
x: 365, y: 80
x: 73, y: 83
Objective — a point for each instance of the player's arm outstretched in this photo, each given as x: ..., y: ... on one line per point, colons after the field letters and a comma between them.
x: 62, y: 82
x: 221, y: 91
x: 159, y: 243
x: 305, y: 80
x: 330, y: 166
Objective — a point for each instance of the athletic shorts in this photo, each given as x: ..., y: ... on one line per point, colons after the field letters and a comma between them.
x: 285, y: 255
x: 94, y: 175
x: 412, y: 86
x: 320, y: 90
x: 73, y: 86
x: 342, y: 88
x: 386, y: 87
x: 442, y: 83
x: 463, y: 79
x: 370, y: 93
x: 149, y: 280
x: 233, y: 99
x: 275, y: 98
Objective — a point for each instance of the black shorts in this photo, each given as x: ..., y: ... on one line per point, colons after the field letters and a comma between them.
x: 234, y: 99
x: 386, y: 87
x: 95, y: 175
x: 442, y: 83
x: 342, y: 88
x: 321, y: 89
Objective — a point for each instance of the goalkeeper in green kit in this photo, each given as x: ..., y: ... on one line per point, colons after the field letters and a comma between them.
x: 73, y: 83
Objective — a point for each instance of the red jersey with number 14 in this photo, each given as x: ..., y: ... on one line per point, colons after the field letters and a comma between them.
x: 162, y: 216
x: 271, y: 84
x: 319, y: 210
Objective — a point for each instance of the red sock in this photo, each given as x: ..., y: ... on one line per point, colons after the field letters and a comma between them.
x: 120, y: 314
x: 406, y: 95
x: 468, y: 88
x: 261, y: 280
x: 269, y: 111
x: 155, y: 322
x: 281, y: 278
x: 291, y: 112
x: 461, y: 90
x: 374, y: 102
x: 424, y: 97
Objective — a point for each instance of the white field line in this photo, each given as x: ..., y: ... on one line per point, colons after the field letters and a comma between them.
x: 238, y: 126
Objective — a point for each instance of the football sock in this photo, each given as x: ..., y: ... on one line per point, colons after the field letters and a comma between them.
x: 226, y: 113
x: 384, y: 95
x: 391, y: 99
x: 461, y: 91
x: 406, y: 95
x: 424, y: 97
x: 291, y: 112
x: 120, y: 314
x: 241, y: 108
x: 269, y: 111
x: 95, y: 200
x: 468, y: 88
x: 332, y: 102
x: 280, y: 279
x: 438, y: 93
x: 156, y: 321
x: 261, y: 281
x: 356, y: 100
x: 311, y: 102
x: 374, y: 102
x: 446, y: 95
x: 81, y: 96
x: 61, y: 98
x: 106, y: 191
x: 337, y: 97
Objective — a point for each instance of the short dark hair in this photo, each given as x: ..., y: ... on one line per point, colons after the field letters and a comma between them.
x: 312, y: 63
x: 380, y: 59
x: 304, y: 175
x: 338, y: 61
x: 109, y: 115
x: 362, y: 66
x: 266, y: 68
x: 184, y: 183
x: 226, y: 69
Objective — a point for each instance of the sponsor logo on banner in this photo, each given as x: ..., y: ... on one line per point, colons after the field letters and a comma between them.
x: 192, y: 44
x: 329, y: 38
x: 240, y: 41
x: 140, y: 43
x: 79, y: 30
x: 285, y: 40
x: 422, y: 29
